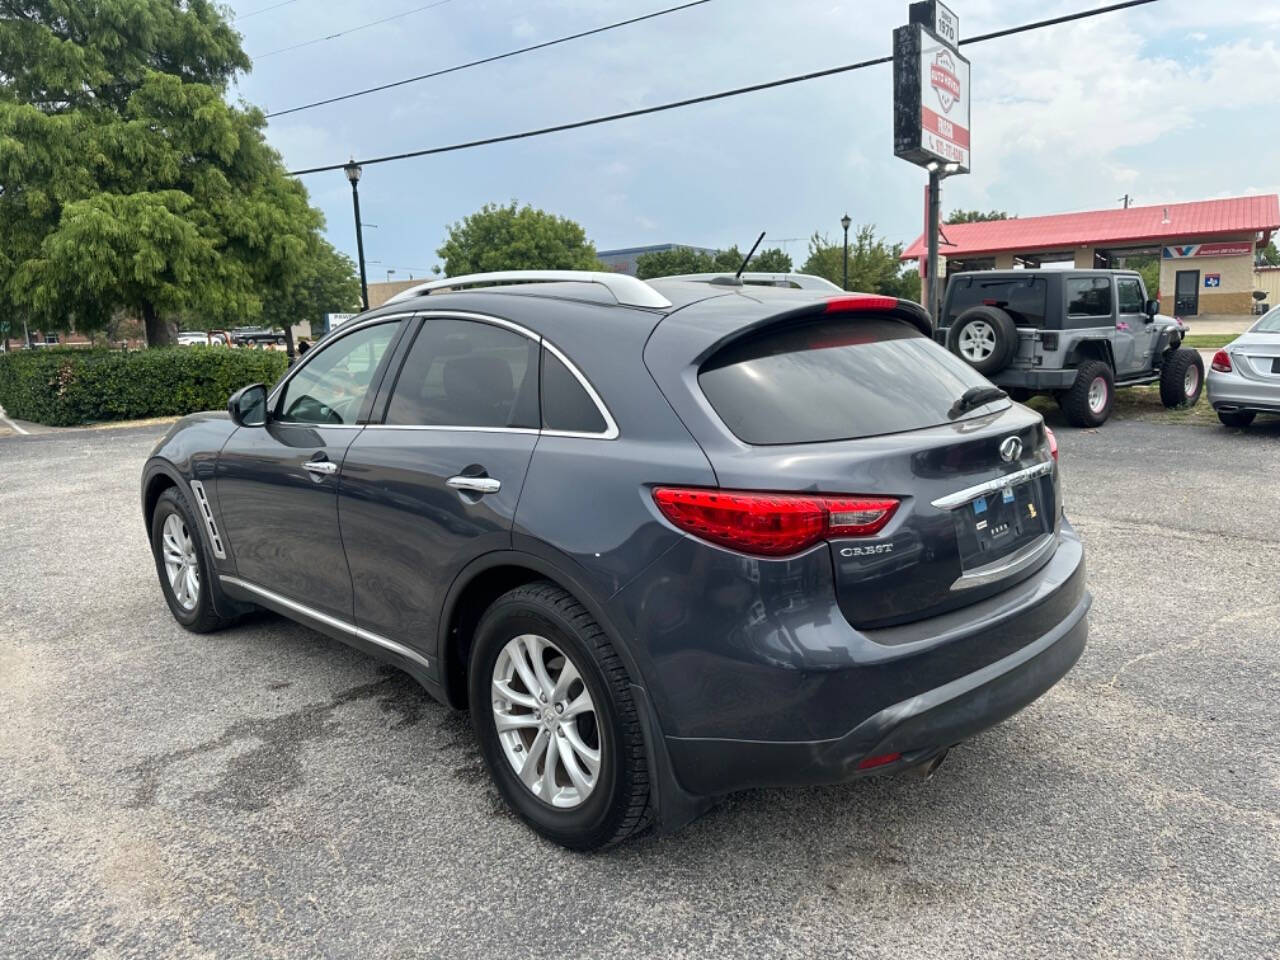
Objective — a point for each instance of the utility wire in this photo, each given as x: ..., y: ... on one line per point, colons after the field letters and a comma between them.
x: 496, y: 57
x: 343, y: 33
x: 254, y: 13
x: 722, y: 95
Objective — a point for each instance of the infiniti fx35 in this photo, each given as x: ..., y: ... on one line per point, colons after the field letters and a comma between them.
x: 664, y: 540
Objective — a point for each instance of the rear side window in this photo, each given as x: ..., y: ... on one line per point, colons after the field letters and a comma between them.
x: 462, y: 373
x: 566, y: 406
x: 1089, y: 296
x: 834, y: 380
x: 1023, y: 299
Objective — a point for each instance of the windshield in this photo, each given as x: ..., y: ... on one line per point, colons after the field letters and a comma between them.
x: 1270, y: 322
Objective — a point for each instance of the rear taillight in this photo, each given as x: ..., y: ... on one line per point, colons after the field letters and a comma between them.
x: 771, y: 524
x: 1053, y: 443
x: 1221, y: 362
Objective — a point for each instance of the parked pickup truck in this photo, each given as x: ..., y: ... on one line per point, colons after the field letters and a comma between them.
x: 1076, y: 335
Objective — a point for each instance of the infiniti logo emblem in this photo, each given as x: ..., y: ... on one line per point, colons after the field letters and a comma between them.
x: 1010, y: 449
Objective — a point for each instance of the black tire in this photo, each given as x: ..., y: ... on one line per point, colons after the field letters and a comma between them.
x: 1075, y: 401
x: 1236, y: 418
x: 200, y: 617
x: 617, y: 806
x: 1175, y: 376
x: 1003, y: 331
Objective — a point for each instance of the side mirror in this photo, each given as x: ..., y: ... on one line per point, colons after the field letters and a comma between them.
x: 248, y: 406
x: 1152, y: 307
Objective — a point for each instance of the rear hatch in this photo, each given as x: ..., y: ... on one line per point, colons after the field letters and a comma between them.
x: 853, y: 399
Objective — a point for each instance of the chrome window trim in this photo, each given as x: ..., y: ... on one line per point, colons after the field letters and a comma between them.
x: 961, y: 497
x: 351, y: 326
x: 367, y: 635
x: 611, y: 427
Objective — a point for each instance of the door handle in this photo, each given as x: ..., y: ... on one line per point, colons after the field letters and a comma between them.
x: 325, y: 468
x: 475, y: 484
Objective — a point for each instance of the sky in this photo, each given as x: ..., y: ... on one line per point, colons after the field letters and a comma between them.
x: 1170, y: 102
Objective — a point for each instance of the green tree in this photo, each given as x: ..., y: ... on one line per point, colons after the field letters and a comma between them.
x: 1269, y: 256
x: 874, y: 265
x: 127, y: 181
x: 675, y: 262
x: 327, y: 282
x: 682, y: 260
x: 515, y: 238
x: 976, y: 216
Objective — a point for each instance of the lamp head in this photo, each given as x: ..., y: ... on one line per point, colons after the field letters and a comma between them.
x: 845, y: 221
x: 352, y: 170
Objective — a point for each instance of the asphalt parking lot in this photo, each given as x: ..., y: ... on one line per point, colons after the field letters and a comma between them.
x: 268, y: 792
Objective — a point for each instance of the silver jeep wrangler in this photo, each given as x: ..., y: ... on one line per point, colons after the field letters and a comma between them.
x: 1074, y: 334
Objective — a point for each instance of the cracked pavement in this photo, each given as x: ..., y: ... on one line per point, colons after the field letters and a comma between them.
x: 267, y: 792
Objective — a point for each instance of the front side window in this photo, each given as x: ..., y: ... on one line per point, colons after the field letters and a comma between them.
x: 1129, y: 295
x: 1089, y: 296
x: 463, y: 373
x: 331, y: 387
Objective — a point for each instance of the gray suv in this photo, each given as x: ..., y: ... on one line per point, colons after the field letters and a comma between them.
x: 1074, y: 334
x: 664, y: 540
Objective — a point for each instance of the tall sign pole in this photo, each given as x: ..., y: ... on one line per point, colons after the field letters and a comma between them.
x: 931, y: 113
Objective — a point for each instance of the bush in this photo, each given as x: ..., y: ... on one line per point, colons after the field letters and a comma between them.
x: 66, y: 387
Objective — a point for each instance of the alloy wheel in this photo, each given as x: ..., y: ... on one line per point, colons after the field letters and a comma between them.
x: 546, y: 721
x: 1098, y: 395
x: 180, y: 562
x: 977, y: 341
x: 1191, y: 382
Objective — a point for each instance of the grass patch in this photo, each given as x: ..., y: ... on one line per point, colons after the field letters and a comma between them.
x: 1208, y: 341
x: 1135, y: 403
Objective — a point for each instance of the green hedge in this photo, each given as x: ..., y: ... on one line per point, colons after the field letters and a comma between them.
x: 65, y: 387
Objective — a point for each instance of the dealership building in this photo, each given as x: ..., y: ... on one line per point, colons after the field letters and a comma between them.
x: 1206, y: 249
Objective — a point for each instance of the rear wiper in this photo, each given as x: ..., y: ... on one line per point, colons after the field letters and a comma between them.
x: 974, y: 397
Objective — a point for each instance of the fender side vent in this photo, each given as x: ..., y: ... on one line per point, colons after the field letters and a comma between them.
x: 202, y: 500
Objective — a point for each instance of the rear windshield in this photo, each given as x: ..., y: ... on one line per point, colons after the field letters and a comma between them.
x: 834, y: 379
x: 1023, y: 299
x: 1270, y: 322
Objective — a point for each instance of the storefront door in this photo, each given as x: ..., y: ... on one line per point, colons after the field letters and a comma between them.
x: 1186, y: 293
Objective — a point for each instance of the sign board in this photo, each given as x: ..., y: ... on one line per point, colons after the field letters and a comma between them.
x: 1213, y: 279
x: 938, y: 18
x: 332, y: 320
x: 930, y: 99
x: 1240, y: 248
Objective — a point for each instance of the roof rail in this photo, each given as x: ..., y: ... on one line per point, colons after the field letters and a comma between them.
x: 628, y: 291
x: 805, y: 281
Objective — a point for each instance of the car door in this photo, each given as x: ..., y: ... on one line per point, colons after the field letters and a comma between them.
x: 277, y: 484
x: 1091, y: 312
x: 1134, y: 326
x: 435, y: 484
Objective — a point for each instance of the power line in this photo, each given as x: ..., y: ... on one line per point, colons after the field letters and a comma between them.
x: 343, y: 33
x: 254, y: 13
x: 722, y: 95
x: 477, y: 63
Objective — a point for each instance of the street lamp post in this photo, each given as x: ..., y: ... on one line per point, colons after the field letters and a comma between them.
x: 937, y: 173
x: 845, y: 222
x: 352, y: 171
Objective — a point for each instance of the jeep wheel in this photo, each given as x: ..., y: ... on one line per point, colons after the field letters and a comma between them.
x: 1236, y: 418
x: 985, y: 338
x: 1088, y: 402
x: 1182, y: 378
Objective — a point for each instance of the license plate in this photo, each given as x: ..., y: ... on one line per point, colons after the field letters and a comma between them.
x: 998, y: 523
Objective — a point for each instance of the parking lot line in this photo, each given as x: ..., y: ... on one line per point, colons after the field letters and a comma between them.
x: 11, y: 425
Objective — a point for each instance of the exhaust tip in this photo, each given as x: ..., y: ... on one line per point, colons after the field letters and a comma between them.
x: 927, y: 769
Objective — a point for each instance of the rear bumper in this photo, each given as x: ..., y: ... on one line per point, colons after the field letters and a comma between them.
x: 918, y: 728
x: 1230, y: 392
